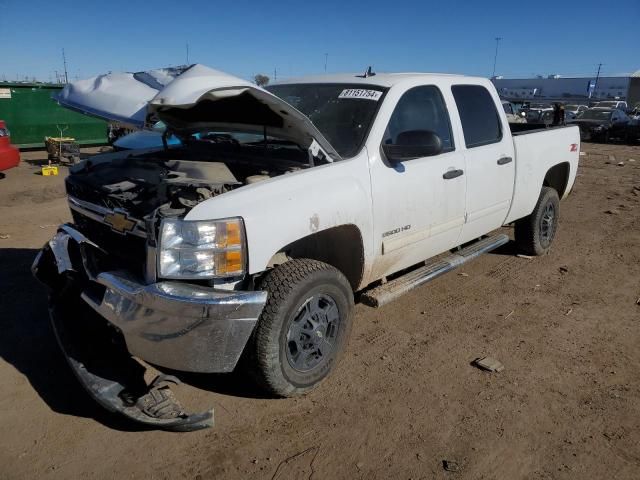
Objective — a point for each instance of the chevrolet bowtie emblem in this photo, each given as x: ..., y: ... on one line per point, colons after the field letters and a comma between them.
x: 119, y: 222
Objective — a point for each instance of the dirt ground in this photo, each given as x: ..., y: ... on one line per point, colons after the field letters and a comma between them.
x: 405, y: 398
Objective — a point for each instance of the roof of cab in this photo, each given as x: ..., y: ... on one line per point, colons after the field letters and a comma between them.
x: 379, y: 79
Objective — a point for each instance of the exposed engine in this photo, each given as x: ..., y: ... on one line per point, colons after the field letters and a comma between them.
x: 171, y: 181
x: 141, y: 189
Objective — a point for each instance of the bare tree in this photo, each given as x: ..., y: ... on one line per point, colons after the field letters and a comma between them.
x: 261, y: 80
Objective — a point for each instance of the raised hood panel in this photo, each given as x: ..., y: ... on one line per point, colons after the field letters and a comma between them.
x: 121, y: 97
x: 189, y: 98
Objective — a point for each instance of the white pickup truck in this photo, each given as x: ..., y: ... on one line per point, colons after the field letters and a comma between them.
x: 244, y: 245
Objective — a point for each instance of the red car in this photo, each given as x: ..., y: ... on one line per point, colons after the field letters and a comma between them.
x: 9, y: 155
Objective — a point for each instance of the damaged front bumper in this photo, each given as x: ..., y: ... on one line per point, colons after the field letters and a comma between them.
x: 171, y: 324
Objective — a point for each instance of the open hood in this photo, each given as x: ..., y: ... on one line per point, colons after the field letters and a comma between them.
x: 190, y: 99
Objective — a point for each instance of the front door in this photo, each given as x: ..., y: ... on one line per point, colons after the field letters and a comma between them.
x: 418, y: 204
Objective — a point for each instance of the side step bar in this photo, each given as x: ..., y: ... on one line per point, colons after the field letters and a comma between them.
x: 387, y: 292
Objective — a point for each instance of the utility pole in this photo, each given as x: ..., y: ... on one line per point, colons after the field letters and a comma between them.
x: 597, y: 76
x: 495, y: 57
x: 275, y: 74
x: 326, y: 59
x: 187, y: 54
x: 64, y: 61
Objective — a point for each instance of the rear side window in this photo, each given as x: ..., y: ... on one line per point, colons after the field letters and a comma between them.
x: 478, y: 114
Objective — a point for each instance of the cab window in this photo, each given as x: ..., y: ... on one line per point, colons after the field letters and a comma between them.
x: 419, y: 109
x: 478, y: 115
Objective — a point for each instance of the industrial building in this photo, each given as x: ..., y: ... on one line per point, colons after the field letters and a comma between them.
x: 582, y: 90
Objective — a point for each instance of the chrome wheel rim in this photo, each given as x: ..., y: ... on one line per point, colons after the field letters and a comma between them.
x: 547, y: 221
x: 312, y: 334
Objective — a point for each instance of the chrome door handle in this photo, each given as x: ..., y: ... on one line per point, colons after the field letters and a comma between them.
x: 449, y: 174
x: 505, y: 160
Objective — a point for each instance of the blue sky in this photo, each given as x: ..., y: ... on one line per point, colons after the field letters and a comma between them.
x: 244, y: 38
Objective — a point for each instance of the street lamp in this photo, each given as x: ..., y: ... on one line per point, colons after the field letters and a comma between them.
x: 495, y: 58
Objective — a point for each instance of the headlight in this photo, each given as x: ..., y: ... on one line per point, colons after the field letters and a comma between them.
x: 201, y: 249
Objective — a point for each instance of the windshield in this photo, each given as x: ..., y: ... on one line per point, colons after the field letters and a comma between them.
x: 342, y: 112
x: 596, y: 115
x: 606, y: 104
x: 571, y: 107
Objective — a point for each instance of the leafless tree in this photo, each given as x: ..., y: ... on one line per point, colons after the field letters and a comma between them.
x: 261, y: 80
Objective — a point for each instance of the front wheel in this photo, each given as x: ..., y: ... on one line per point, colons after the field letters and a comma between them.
x: 303, y: 328
x: 535, y: 232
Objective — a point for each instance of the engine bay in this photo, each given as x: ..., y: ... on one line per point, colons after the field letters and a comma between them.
x: 173, y: 181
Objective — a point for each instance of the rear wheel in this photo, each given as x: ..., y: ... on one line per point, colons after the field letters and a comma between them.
x: 303, y: 328
x: 535, y: 233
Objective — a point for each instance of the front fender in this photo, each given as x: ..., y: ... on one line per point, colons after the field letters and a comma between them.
x: 286, y: 208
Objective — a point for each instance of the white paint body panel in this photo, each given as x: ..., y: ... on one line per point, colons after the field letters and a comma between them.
x: 414, y: 192
x: 489, y: 185
x: 281, y: 210
x: 535, y: 154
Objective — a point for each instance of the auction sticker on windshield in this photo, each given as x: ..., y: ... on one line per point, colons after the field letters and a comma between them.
x: 361, y: 93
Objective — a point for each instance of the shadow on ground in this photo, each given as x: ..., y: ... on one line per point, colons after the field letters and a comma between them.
x: 29, y: 344
x: 40, y: 159
x: 509, y: 249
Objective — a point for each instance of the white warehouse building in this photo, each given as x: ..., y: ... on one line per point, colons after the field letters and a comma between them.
x: 570, y: 89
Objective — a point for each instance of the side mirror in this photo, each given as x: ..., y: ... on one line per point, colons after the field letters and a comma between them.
x: 413, y: 144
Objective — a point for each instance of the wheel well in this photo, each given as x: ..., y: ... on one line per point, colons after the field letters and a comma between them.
x: 557, y: 178
x: 340, y: 247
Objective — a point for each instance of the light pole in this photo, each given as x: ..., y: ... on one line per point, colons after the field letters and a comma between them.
x: 64, y: 62
x: 597, y: 76
x: 495, y: 57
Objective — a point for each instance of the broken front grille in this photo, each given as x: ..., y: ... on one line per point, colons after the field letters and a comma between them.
x: 125, y: 251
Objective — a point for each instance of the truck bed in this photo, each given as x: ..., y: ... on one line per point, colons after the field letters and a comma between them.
x: 526, y: 128
x: 537, y: 150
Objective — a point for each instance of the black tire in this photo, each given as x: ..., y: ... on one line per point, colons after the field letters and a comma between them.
x: 285, y: 333
x: 535, y: 233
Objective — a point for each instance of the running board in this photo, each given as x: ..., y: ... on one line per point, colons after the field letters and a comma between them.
x: 387, y: 292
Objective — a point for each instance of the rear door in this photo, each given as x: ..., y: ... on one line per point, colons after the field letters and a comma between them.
x: 489, y: 158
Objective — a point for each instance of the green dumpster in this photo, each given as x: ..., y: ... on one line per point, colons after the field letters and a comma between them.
x: 31, y: 114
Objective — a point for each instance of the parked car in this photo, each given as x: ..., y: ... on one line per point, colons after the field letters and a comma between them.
x: 602, y: 124
x: 195, y: 256
x: 543, y: 116
x: 612, y: 104
x: 571, y: 111
x: 514, y: 115
x: 141, y: 139
x: 633, y: 130
x: 9, y: 155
